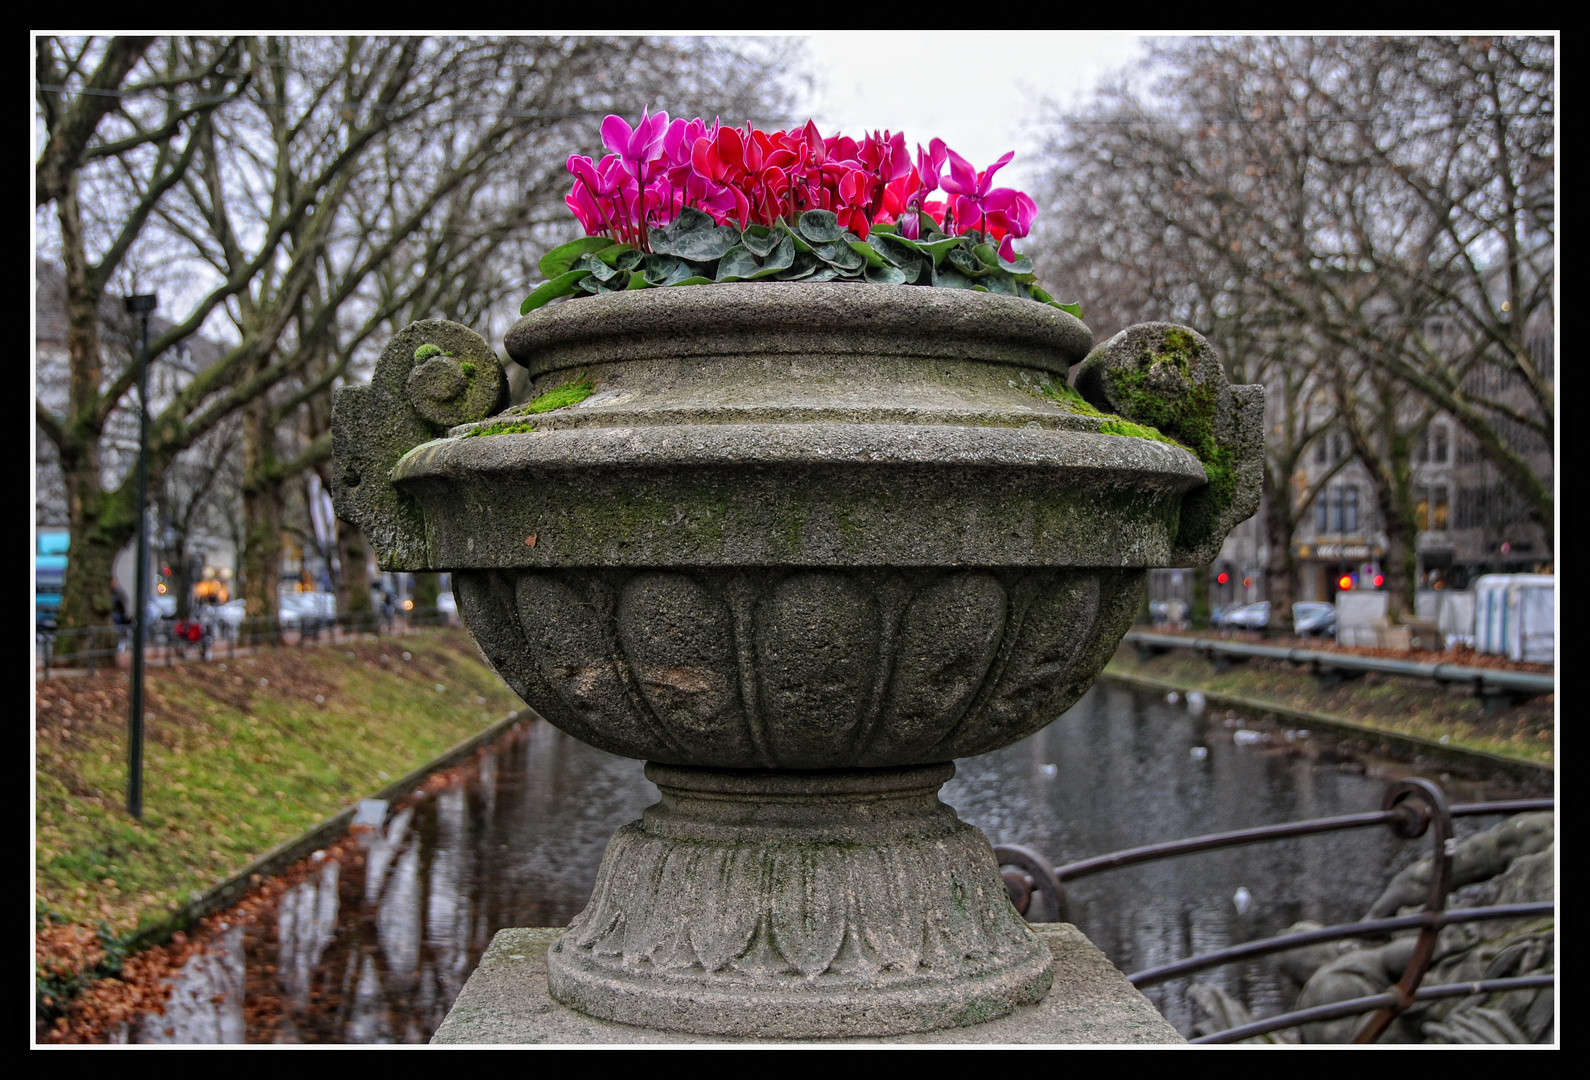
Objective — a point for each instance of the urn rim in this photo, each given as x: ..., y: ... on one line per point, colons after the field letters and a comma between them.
x: 794, y: 317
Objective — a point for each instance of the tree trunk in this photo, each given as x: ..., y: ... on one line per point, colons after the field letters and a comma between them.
x: 261, y: 557
x: 1280, y: 569
x: 1401, y: 565
x: 179, y: 583
x: 1198, y: 618
x: 101, y: 523
x: 353, y: 584
x: 426, y: 588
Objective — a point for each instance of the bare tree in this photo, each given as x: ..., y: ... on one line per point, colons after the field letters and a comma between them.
x: 301, y: 198
x: 1334, y: 195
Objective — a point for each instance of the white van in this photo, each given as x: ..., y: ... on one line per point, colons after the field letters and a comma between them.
x: 1514, y: 616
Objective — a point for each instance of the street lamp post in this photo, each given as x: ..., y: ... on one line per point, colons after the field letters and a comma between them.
x: 141, y: 306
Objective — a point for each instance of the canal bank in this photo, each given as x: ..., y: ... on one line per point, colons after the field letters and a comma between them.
x: 249, y: 765
x: 373, y: 941
x: 1413, y: 717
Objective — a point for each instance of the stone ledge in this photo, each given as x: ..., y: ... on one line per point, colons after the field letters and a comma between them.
x: 505, y: 1002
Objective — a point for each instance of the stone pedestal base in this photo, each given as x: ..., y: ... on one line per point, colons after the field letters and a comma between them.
x: 783, y: 904
x: 505, y: 1002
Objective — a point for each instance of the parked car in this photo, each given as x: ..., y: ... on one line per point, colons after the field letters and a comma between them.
x: 1249, y: 617
x: 307, y: 610
x: 1311, y: 618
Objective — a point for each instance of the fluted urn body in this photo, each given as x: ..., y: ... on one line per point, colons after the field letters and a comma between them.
x: 799, y: 546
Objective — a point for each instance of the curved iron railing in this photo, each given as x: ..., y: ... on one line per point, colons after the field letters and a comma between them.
x: 1411, y: 808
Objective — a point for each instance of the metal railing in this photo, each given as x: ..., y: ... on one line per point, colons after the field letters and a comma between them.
x: 1411, y: 808
x: 1335, y: 666
x: 93, y: 647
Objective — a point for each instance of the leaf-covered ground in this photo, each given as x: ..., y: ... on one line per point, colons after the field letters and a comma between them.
x: 238, y: 758
x: 1405, y: 706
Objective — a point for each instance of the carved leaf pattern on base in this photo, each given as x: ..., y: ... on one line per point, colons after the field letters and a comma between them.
x: 810, y: 669
x: 910, y: 910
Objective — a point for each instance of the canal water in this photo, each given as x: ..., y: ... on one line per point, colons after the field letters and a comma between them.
x: 375, y: 948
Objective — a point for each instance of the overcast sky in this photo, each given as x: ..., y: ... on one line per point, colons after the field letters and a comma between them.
x: 976, y: 90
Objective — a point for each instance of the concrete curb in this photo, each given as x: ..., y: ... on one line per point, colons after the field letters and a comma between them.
x: 1457, y: 755
x: 285, y: 854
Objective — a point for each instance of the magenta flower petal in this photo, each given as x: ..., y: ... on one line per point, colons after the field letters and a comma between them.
x: 616, y: 134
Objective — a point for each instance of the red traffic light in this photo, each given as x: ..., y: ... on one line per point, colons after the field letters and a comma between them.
x: 1222, y: 578
x: 1380, y: 579
x: 1345, y: 582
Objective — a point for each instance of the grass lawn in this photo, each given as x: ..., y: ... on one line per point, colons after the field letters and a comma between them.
x: 1404, y: 706
x: 239, y: 757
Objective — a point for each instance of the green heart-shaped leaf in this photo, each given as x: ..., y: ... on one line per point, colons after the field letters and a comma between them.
x: 562, y: 285
x: 886, y: 275
x: 689, y: 222
x: 782, y: 257
x: 561, y: 259
x: 966, y: 262
x: 696, y: 280
x: 803, y: 266
x: 706, y: 245
x: 948, y: 277
x: 820, y: 226
x: 999, y: 282
x: 659, y: 268
x: 839, y: 255
x: 599, y: 269
x: 799, y: 241
x: 760, y: 240
x: 737, y: 264
x: 871, y: 252
x: 938, y: 248
x: 1022, y: 267
x: 620, y: 256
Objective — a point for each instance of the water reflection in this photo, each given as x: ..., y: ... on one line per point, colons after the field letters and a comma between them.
x: 375, y: 948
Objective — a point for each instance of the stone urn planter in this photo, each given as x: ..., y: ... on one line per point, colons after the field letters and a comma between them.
x: 798, y: 546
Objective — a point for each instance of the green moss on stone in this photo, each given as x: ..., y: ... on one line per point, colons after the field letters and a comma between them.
x: 468, y: 369
x: 425, y: 352
x: 1135, y: 431
x: 502, y: 427
x: 1067, y: 397
x: 1189, y: 418
x: 570, y: 393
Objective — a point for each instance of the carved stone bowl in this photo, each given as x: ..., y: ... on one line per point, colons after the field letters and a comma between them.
x: 799, y: 546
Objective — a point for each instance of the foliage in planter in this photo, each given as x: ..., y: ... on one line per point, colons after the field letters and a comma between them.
x: 695, y: 250
x: 683, y: 203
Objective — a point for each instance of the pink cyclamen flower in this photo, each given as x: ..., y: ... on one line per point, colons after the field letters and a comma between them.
x: 972, y: 187
x: 637, y: 146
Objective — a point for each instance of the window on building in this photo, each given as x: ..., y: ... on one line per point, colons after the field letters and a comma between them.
x: 1440, y: 439
x: 1336, y: 510
x: 1431, y: 507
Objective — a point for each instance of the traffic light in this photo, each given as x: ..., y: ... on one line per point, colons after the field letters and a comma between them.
x: 1222, y: 578
x: 1345, y: 583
